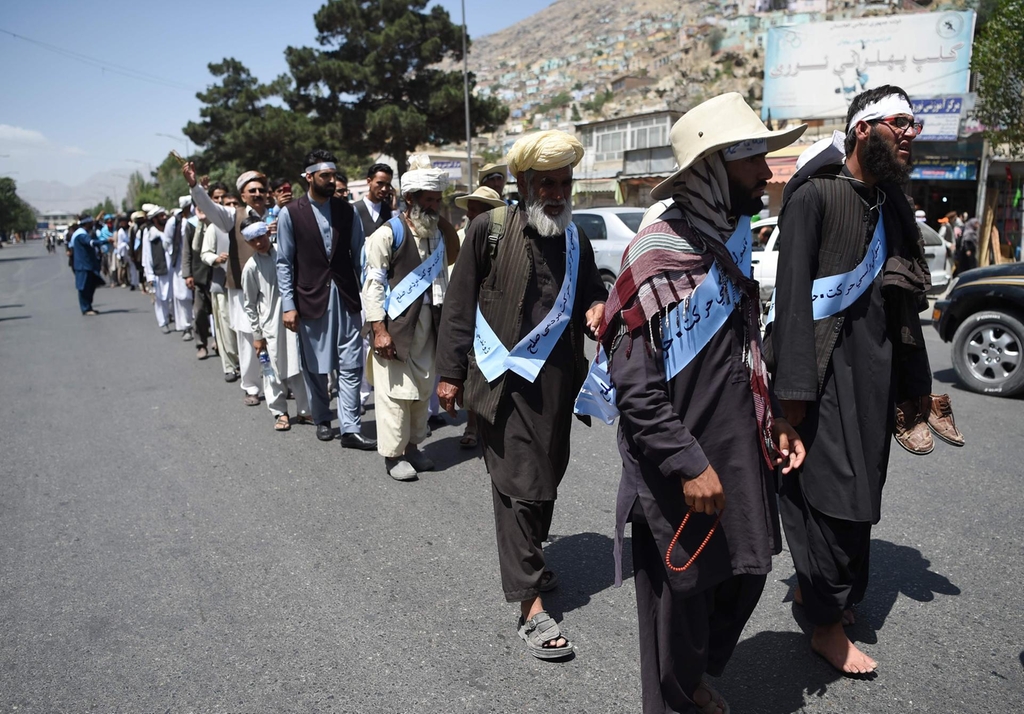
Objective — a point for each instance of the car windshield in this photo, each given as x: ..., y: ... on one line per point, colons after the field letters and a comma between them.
x: 631, y: 219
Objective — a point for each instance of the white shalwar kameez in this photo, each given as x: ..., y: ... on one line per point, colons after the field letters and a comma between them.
x: 215, y: 243
x: 262, y: 304
x: 163, y: 287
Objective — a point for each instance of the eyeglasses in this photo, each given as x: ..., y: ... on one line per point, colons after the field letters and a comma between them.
x: 901, y: 122
x: 256, y: 191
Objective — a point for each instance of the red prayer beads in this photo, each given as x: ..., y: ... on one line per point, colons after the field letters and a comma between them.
x: 675, y: 538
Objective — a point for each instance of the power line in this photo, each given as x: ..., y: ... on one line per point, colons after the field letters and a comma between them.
x: 103, y: 65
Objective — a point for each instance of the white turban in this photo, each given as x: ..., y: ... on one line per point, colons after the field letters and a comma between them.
x: 155, y: 211
x: 247, y: 177
x: 422, y: 176
x: 544, y: 151
x: 184, y: 201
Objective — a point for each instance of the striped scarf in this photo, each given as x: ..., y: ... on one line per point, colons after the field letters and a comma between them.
x: 669, y: 258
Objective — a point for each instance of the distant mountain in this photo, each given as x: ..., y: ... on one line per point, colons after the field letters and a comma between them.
x: 49, y: 196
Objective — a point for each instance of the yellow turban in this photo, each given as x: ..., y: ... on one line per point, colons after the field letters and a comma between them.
x: 545, y: 151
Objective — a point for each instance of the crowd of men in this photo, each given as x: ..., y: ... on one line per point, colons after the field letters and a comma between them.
x: 727, y: 438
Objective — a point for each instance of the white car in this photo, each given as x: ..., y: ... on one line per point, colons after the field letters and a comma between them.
x: 765, y: 258
x: 610, y: 230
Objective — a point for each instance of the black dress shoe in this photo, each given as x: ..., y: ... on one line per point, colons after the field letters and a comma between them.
x: 324, y: 432
x: 358, y: 441
x: 231, y: 376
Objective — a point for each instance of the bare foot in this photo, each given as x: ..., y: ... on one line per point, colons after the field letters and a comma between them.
x: 832, y: 643
x: 702, y: 697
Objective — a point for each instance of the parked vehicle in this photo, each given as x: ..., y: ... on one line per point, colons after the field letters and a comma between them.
x: 610, y: 230
x: 765, y: 258
x: 983, y: 316
x: 940, y: 263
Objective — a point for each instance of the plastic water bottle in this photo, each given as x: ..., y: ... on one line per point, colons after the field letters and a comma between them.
x: 268, y: 370
x: 271, y: 215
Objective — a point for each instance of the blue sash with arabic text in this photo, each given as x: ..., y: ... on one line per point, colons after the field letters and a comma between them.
x: 413, y: 285
x: 835, y: 293
x: 686, y: 329
x: 530, y: 354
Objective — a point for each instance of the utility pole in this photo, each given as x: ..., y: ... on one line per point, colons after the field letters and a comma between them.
x: 465, y: 88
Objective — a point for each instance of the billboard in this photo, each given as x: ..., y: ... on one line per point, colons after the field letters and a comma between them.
x: 814, y: 71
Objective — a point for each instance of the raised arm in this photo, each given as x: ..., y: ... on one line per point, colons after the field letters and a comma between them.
x: 220, y: 216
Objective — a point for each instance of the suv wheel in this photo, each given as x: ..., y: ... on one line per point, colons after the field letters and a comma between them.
x: 609, y: 280
x: 987, y: 353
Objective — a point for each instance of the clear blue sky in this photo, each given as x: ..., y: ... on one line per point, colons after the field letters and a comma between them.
x: 62, y: 119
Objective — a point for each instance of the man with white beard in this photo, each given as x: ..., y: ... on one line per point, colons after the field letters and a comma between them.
x: 520, y: 299
x: 407, y: 262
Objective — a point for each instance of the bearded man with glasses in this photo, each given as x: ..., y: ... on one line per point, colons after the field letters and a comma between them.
x: 848, y: 354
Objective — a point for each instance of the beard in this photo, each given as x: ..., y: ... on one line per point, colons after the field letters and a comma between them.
x: 423, y: 222
x: 743, y: 204
x: 881, y: 159
x: 323, y: 190
x: 548, y: 226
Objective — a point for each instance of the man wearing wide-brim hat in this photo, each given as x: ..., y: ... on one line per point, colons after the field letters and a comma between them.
x: 480, y: 201
x: 494, y: 177
x: 697, y: 434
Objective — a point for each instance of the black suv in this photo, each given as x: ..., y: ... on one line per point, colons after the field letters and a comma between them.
x: 983, y: 315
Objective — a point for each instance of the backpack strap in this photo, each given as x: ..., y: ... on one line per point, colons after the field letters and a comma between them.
x: 397, y: 230
x: 496, y: 219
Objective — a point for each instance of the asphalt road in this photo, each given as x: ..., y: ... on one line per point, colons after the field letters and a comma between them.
x: 162, y: 549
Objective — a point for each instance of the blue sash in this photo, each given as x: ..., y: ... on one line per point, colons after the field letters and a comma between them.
x: 527, y: 357
x: 413, y: 285
x: 835, y: 293
x: 686, y: 329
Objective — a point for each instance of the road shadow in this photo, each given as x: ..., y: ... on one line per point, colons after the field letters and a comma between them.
x: 5, y: 307
x: 15, y: 317
x: 15, y: 259
x: 895, y: 570
x: 585, y: 567
x: 775, y: 673
x: 446, y: 453
x: 120, y: 310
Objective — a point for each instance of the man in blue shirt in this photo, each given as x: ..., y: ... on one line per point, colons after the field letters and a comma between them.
x: 86, y: 262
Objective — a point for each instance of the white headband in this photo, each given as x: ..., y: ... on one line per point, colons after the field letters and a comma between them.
x: 254, y: 231
x: 322, y: 166
x: 885, y: 107
x: 745, y: 149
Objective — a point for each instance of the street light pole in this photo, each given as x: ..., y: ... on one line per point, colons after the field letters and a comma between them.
x: 188, y: 150
x: 465, y: 86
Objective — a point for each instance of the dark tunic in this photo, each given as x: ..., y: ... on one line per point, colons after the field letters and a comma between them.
x: 847, y: 430
x: 671, y: 432
x: 526, y: 449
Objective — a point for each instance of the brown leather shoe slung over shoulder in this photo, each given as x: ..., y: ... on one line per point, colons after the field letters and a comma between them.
x: 912, y: 426
x: 940, y: 419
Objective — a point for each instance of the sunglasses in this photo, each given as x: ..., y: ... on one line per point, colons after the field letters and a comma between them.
x: 901, y: 122
x: 256, y: 191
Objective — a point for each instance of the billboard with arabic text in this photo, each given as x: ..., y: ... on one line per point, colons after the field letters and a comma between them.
x: 814, y: 71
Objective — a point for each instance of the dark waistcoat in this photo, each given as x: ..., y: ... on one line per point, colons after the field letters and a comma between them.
x: 158, y: 253
x: 313, y: 268
x: 501, y: 296
x: 403, y: 261
x: 239, y: 250
x: 370, y: 225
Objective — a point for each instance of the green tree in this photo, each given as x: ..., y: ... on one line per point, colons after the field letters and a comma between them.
x: 999, y: 64
x: 16, y: 215
x: 140, y: 191
x: 243, y: 126
x: 104, y: 206
x: 377, y: 86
